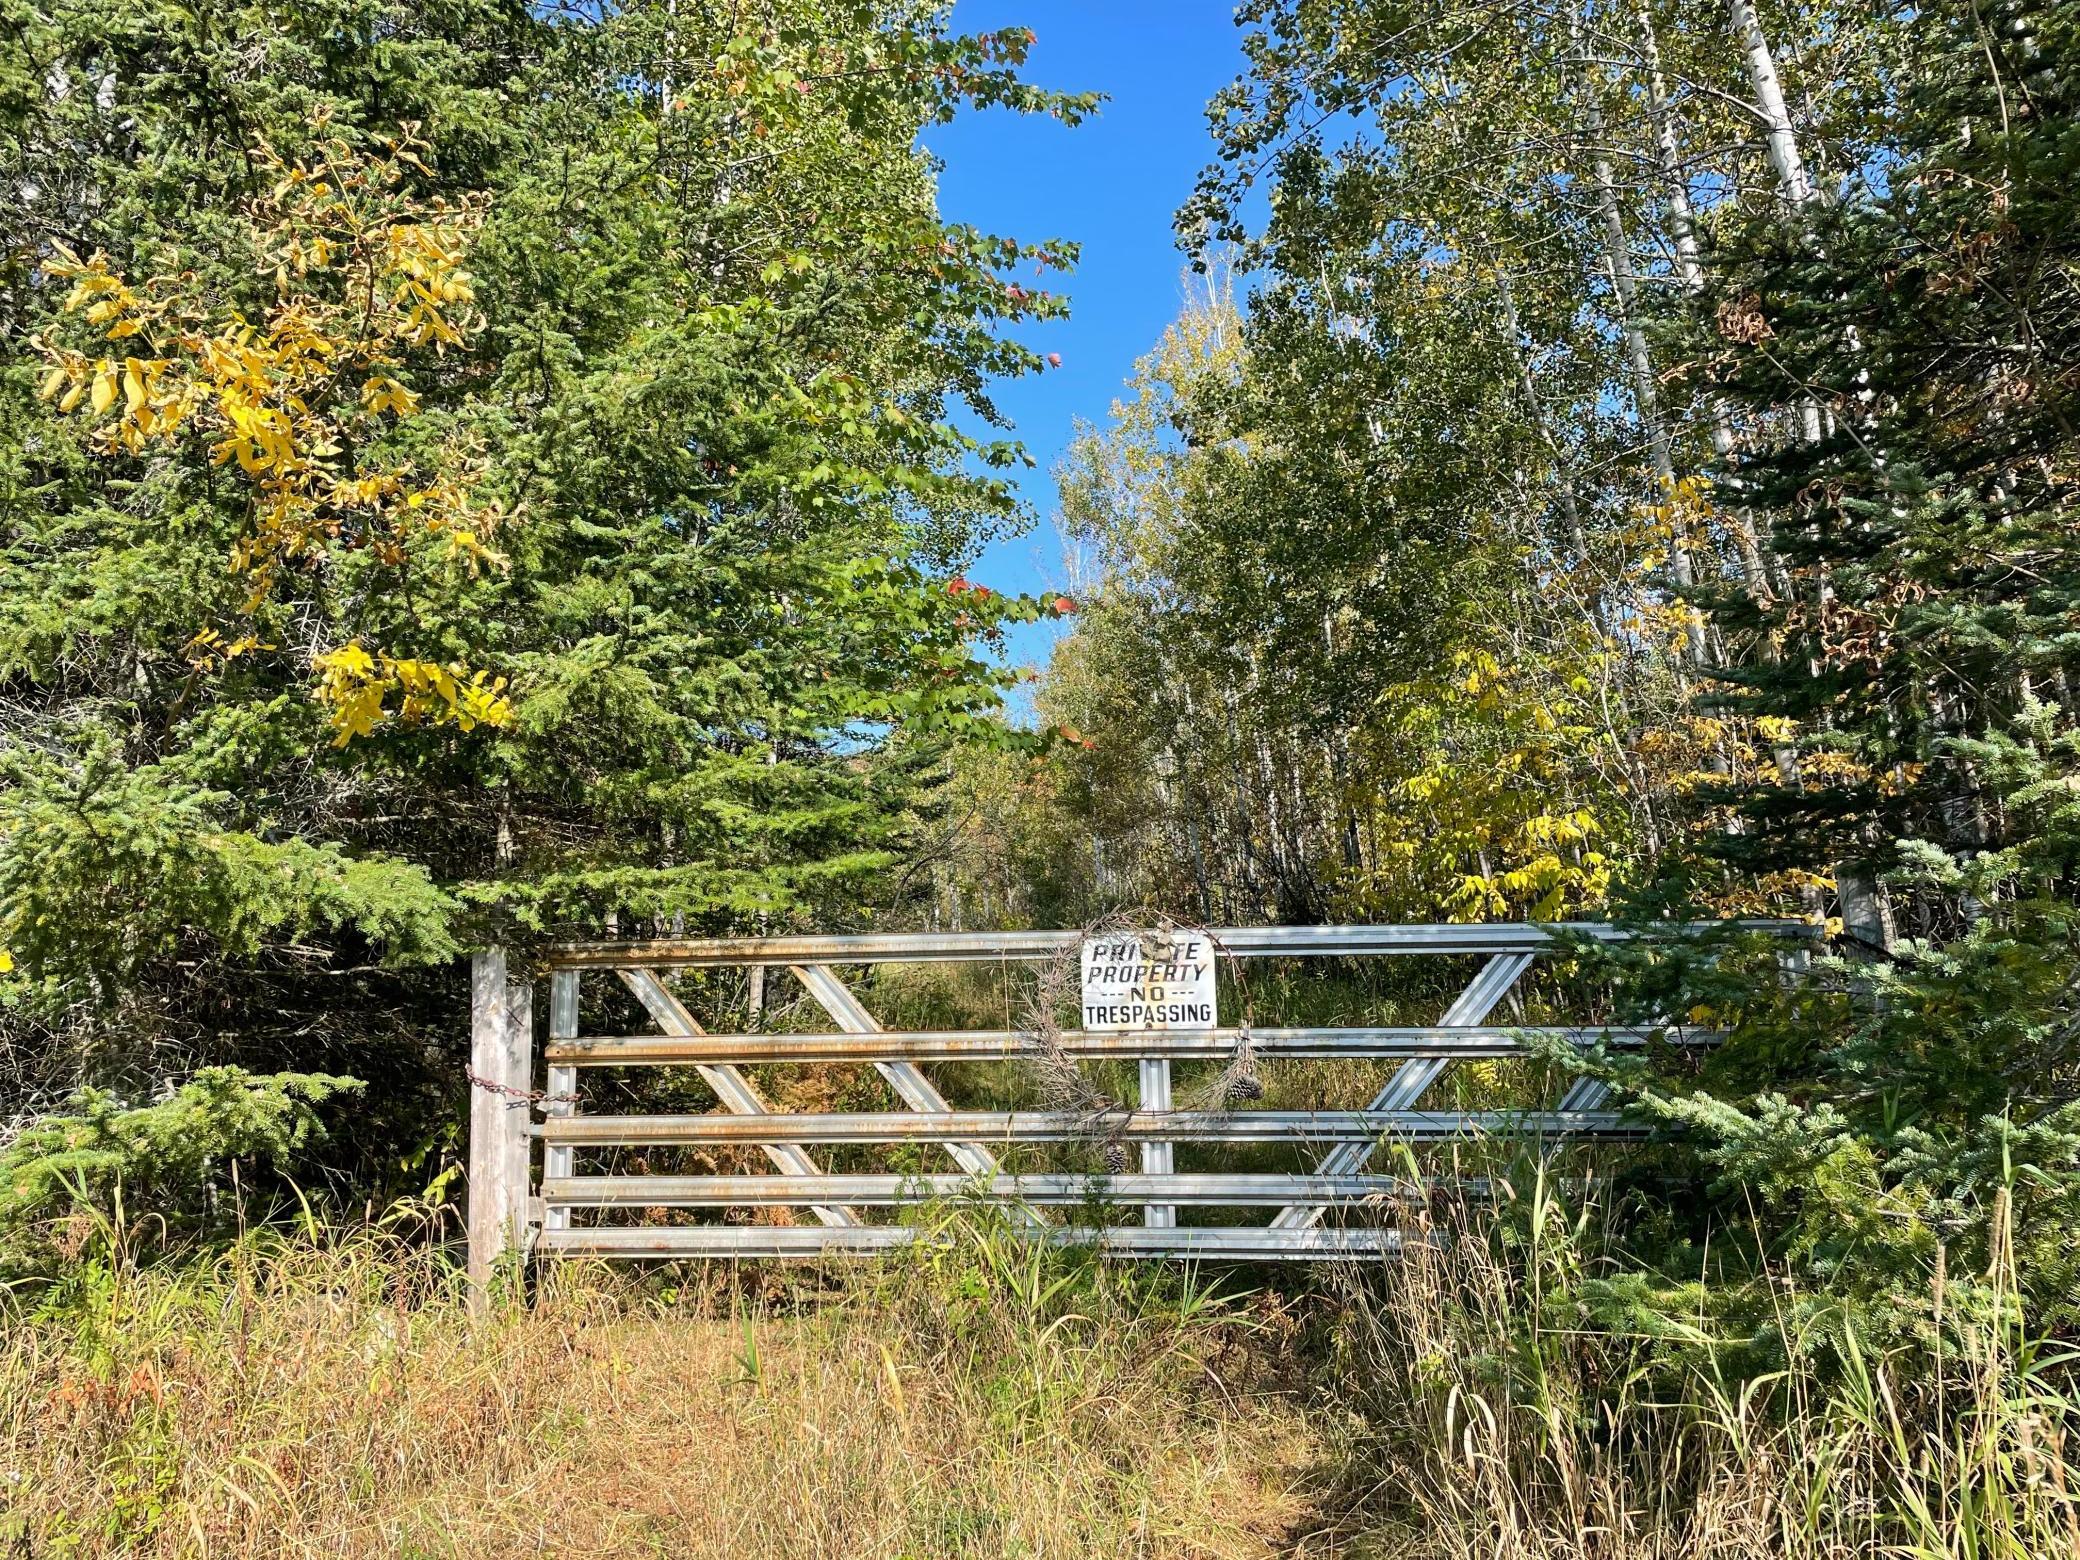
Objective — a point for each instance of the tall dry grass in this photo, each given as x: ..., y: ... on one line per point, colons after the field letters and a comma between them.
x: 1494, y: 1421
x: 330, y: 1395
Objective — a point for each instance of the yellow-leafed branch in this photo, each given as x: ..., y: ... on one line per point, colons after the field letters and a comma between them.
x: 365, y: 275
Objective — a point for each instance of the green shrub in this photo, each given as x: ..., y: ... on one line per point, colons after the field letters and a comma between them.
x: 171, y: 1159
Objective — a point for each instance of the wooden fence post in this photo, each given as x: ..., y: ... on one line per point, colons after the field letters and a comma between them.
x: 501, y: 1059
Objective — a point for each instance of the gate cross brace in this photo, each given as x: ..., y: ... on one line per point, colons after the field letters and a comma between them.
x: 1412, y: 1078
x: 730, y: 1086
x: 911, y: 1084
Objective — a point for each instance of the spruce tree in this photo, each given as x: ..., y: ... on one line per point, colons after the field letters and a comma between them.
x: 723, y: 376
x: 1927, y: 308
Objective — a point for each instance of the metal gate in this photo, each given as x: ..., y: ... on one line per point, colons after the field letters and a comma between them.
x: 1329, y: 1210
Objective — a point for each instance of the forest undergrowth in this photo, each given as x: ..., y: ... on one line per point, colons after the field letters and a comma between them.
x: 330, y: 1391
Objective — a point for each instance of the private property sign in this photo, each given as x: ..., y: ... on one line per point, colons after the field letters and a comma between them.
x: 1149, y: 980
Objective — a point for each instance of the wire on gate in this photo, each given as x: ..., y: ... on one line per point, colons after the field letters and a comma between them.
x: 1063, y: 1083
x: 1238, y: 1079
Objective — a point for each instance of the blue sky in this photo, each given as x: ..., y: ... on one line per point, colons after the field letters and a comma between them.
x: 1112, y: 184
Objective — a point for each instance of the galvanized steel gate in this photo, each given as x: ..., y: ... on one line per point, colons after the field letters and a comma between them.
x: 1324, y: 1213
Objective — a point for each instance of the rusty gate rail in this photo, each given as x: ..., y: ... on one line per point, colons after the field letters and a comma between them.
x: 510, y: 1207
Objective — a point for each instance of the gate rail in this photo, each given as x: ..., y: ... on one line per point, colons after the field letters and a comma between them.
x: 504, y: 1213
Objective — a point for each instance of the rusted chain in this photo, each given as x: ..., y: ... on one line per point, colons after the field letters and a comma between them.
x: 516, y: 1098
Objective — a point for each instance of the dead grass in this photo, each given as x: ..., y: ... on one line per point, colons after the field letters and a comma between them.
x: 1490, y: 1419
x: 336, y: 1400
x: 331, y: 1396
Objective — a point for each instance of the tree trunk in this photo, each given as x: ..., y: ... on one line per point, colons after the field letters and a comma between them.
x: 1769, y: 99
x: 1784, y: 158
x: 1577, y: 538
x: 1625, y: 290
x: 1682, y: 232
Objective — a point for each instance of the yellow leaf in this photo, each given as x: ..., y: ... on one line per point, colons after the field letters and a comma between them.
x: 895, y: 1385
x: 104, y: 387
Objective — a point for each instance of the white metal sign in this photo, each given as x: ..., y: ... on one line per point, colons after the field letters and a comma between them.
x: 1149, y: 980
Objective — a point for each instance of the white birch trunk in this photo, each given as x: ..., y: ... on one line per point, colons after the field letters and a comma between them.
x: 1529, y: 385
x: 1682, y: 219
x: 1784, y: 158
x: 1625, y: 289
x: 1769, y: 99
x: 1682, y: 232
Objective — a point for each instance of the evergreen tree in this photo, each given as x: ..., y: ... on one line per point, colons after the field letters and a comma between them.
x: 1916, y: 674
x: 712, y: 380
x: 1928, y: 309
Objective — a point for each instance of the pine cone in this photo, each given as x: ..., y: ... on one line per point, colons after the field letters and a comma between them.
x: 1248, y: 1086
